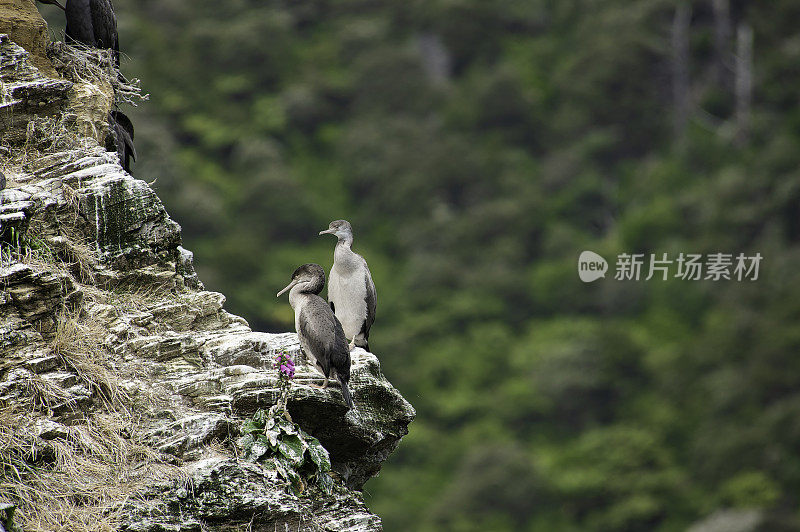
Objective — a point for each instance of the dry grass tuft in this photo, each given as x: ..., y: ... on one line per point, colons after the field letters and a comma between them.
x: 40, y: 394
x: 49, y: 134
x: 83, y: 64
x: 44, y: 134
x: 89, y: 477
x: 80, y: 257
x: 57, y: 244
x: 83, y: 481
x: 80, y: 344
x: 130, y: 295
x: 76, y: 248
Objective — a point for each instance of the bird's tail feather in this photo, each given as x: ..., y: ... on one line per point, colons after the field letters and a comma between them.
x: 346, y: 393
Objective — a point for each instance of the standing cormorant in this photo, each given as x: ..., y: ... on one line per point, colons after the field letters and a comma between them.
x: 319, y: 331
x: 122, y: 131
x: 91, y: 22
x: 351, y: 291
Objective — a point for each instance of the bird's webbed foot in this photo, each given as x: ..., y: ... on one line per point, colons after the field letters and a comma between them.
x: 322, y: 387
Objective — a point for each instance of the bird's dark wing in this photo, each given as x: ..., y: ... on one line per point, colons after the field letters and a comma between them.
x: 123, y: 120
x: 126, y: 127
x: 123, y: 138
x: 330, y: 302
x: 341, y: 354
x: 372, y: 303
x: 79, y: 23
x: 341, y: 360
x: 105, y: 24
x: 324, y: 335
x: 131, y: 148
x: 125, y: 148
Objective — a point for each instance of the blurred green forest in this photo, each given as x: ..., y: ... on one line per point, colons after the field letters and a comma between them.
x: 477, y: 147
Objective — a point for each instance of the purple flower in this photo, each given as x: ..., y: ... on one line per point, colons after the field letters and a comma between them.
x: 285, y: 365
x: 287, y: 370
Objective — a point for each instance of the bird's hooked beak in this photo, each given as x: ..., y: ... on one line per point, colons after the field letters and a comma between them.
x: 327, y: 232
x: 55, y: 3
x: 288, y: 287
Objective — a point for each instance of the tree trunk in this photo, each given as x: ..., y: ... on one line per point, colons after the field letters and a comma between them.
x: 723, y: 62
x: 680, y: 71
x: 744, y: 81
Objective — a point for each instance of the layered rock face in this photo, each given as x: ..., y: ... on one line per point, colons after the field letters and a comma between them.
x: 123, y: 383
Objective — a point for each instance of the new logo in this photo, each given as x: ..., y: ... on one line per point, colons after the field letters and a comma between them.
x: 591, y: 266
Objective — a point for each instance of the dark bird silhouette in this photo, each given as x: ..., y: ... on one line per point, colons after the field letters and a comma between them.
x: 319, y: 331
x: 351, y: 291
x: 91, y: 22
x: 122, y: 131
x: 2, y: 180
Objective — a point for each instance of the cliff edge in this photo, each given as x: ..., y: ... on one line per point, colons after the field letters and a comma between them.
x: 124, y: 385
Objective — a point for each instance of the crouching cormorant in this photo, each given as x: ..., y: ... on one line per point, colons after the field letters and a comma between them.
x: 319, y: 331
x: 122, y: 132
x: 91, y: 22
x: 351, y: 291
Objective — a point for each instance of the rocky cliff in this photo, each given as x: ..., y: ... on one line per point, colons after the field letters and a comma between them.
x: 124, y: 385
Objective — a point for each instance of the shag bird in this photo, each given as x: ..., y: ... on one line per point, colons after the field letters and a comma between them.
x: 122, y: 132
x: 351, y: 292
x: 319, y: 331
x: 91, y: 22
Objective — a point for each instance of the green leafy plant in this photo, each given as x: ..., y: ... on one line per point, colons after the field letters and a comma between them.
x: 16, y: 245
x: 298, y: 456
x: 272, y: 435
